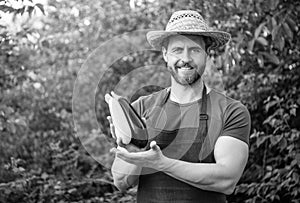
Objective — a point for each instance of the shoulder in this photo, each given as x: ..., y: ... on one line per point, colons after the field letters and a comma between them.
x: 145, y: 103
x: 151, y: 98
x: 235, y: 116
x: 225, y: 102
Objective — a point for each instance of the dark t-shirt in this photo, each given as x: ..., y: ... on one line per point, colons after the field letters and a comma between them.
x: 226, y: 117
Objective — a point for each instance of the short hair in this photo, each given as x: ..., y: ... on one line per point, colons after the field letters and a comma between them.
x: 165, y: 43
x: 207, y: 42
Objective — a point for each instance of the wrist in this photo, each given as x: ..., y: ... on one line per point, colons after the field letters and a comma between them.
x: 166, y: 164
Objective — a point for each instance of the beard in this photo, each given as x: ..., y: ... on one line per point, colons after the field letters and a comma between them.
x: 188, y: 78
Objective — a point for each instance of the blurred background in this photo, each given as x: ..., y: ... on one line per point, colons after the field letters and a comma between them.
x: 43, y: 44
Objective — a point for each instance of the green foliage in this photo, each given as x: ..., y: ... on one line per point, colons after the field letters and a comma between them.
x: 41, y: 159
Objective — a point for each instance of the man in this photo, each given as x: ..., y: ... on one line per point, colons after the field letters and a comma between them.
x: 199, y: 137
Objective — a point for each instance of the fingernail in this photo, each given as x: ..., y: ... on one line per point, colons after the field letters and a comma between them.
x: 153, y: 144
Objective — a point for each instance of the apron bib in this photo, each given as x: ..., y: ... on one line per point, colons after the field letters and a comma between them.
x: 156, y: 186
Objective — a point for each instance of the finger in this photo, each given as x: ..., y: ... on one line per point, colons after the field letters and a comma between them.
x: 109, y: 119
x: 119, y: 141
x: 122, y: 149
x: 113, y: 94
x: 107, y: 98
x: 154, y: 146
x: 112, y: 131
x: 113, y: 150
x: 112, y: 127
x: 121, y: 155
x: 119, y: 150
x: 133, y: 148
x: 144, y: 120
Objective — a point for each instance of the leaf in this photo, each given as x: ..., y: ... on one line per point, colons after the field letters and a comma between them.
x: 275, y: 32
x: 8, y: 110
x: 237, y: 3
x: 30, y: 10
x: 21, y: 121
x: 258, y: 30
x: 274, y: 23
x: 270, y: 104
x: 267, y: 176
x: 41, y: 7
x: 283, y: 144
x: 271, y: 58
x: 260, y: 61
x: 297, y: 158
x: 292, y: 24
x: 275, y: 139
x: 262, y: 41
x: 261, y: 140
x: 12, y: 128
x: 274, y: 4
x: 21, y: 10
x: 293, y: 111
x: 250, y: 45
x: 6, y: 8
x: 281, y: 43
x: 288, y: 30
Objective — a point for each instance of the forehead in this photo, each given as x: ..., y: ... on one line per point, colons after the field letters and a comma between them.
x: 186, y: 40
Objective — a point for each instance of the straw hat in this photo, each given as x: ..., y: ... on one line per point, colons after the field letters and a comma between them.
x: 187, y: 22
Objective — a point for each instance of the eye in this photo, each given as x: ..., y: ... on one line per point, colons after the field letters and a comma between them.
x: 197, y: 50
x: 177, y: 50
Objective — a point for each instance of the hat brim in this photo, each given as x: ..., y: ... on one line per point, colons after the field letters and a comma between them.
x: 218, y: 38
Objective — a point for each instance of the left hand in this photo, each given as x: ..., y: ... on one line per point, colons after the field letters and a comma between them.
x: 152, y: 158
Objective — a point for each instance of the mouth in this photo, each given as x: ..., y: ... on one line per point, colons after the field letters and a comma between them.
x: 185, y: 68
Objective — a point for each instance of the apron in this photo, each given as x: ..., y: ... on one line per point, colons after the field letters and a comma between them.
x: 156, y: 186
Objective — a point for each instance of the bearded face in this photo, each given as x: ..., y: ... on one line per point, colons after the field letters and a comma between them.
x: 186, y: 58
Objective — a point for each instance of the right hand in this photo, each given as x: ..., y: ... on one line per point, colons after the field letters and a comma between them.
x: 113, y: 133
x: 119, y: 141
x: 129, y: 147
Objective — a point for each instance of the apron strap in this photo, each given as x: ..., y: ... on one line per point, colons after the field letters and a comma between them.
x: 165, y: 97
x: 203, y: 117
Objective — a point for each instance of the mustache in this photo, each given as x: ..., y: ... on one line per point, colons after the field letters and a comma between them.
x: 181, y: 64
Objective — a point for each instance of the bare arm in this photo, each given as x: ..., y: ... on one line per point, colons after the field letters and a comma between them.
x: 124, y: 174
x: 231, y: 157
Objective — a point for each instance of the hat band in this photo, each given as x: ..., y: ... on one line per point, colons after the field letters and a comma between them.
x: 186, y: 26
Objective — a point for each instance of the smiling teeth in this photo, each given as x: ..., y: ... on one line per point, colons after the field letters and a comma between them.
x: 186, y: 68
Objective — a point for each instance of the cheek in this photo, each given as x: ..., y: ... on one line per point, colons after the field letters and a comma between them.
x: 200, y: 62
x: 171, y: 63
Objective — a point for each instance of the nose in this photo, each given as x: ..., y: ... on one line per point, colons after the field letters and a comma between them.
x: 186, y: 58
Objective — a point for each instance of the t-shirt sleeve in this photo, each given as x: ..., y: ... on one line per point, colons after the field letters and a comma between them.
x: 237, y: 122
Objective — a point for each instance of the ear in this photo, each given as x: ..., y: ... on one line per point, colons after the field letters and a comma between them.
x: 164, y: 52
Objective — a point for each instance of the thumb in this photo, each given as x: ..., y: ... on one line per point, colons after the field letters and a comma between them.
x: 107, y: 98
x: 154, y: 146
x: 144, y: 120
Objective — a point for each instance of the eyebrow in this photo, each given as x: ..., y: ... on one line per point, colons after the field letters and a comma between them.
x: 189, y: 48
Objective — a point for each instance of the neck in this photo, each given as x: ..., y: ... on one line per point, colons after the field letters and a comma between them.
x: 186, y: 93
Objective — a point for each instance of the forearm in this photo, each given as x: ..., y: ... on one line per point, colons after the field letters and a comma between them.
x: 124, y: 174
x: 206, y: 176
